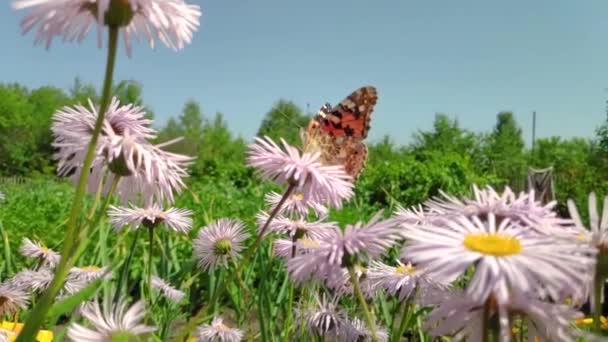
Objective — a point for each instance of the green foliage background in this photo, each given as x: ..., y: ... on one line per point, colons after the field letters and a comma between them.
x: 447, y: 157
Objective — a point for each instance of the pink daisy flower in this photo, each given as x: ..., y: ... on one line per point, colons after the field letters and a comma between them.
x: 342, y: 248
x: 177, y: 220
x: 145, y: 169
x: 400, y: 281
x: 508, y: 257
x: 36, y: 250
x: 218, y: 242
x: 218, y: 331
x: 295, y: 205
x: 119, y: 321
x: 296, y: 228
x: 171, y: 21
x: 321, y: 184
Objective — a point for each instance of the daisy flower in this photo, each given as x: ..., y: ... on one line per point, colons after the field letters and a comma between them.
x: 118, y: 323
x: 462, y: 317
x: 5, y: 335
x: 287, y: 249
x: 33, y: 280
x: 167, y: 290
x: 506, y: 256
x: 597, y: 235
x: 360, y: 332
x: 342, y: 248
x: 171, y: 21
x: 12, y: 299
x: 218, y: 242
x: 341, y: 282
x: 123, y: 148
x: 177, y: 220
x: 321, y: 184
x: 327, y: 320
x: 36, y: 250
x: 400, y: 281
x: 295, y: 205
x: 80, y: 277
x: 520, y: 209
x: 296, y: 228
x: 217, y: 331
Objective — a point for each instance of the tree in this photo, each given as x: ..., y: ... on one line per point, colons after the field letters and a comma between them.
x: 505, y: 151
x: 447, y: 136
x: 284, y: 120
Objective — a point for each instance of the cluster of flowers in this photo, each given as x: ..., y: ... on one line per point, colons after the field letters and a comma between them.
x: 512, y: 257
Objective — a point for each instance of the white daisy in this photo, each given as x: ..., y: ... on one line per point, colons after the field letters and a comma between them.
x: 118, y: 323
x: 167, y: 290
x: 36, y: 250
x: 217, y: 331
x: 177, y: 220
x: 506, y: 256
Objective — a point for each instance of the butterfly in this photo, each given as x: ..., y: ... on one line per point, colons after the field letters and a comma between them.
x: 338, y: 132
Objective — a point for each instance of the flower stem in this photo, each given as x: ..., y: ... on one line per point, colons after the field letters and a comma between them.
x: 398, y: 330
x: 273, y: 213
x: 150, y: 251
x: 598, y: 288
x: 369, y: 319
x: 39, y: 312
x: 289, y: 314
x: 125, y: 267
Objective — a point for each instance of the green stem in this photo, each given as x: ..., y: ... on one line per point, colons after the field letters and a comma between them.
x: 150, y: 251
x: 398, y: 330
x: 289, y: 314
x: 273, y: 213
x: 39, y: 312
x: 368, y: 315
x: 598, y: 288
x: 125, y: 267
x: 486, y: 324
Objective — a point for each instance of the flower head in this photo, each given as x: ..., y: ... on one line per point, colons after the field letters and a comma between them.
x: 400, y: 281
x: 342, y: 248
x: 177, y: 220
x: 122, y: 149
x: 171, y: 21
x: 508, y: 257
x: 80, y: 277
x: 37, y: 250
x: 520, y: 209
x: 167, y: 290
x: 462, y: 317
x: 217, y: 331
x: 119, y: 321
x: 219, y: 242
x: 360, y: 331
x: 295, y: 204
x: 321, y: 184
x: 297, y: 228
x: 597, y: 235
x: 34, y: 280
x: 327, y: 320
x: 12, y: 298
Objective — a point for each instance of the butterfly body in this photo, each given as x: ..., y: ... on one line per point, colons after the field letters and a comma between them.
x: 338, y: 132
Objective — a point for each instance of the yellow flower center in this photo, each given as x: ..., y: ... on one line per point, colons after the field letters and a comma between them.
x: 90, y: 268
x: 492, y: 244
x: 222, y: 247
x: 298, y: 196
x: 309, y: 242
x: 405, y: 269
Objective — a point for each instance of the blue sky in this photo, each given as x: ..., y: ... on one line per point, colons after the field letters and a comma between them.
x: 469, y: 59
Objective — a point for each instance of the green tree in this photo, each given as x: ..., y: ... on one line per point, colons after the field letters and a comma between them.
x: 505, y: 151
x: 284, y: 120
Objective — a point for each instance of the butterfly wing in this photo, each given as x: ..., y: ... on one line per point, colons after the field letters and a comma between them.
x: 352, y: 116
x: 338, y: 132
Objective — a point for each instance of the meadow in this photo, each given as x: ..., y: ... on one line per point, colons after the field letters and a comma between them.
x: 186, y: 232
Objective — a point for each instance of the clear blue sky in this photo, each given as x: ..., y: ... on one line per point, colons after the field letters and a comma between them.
x: 470, y: 59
